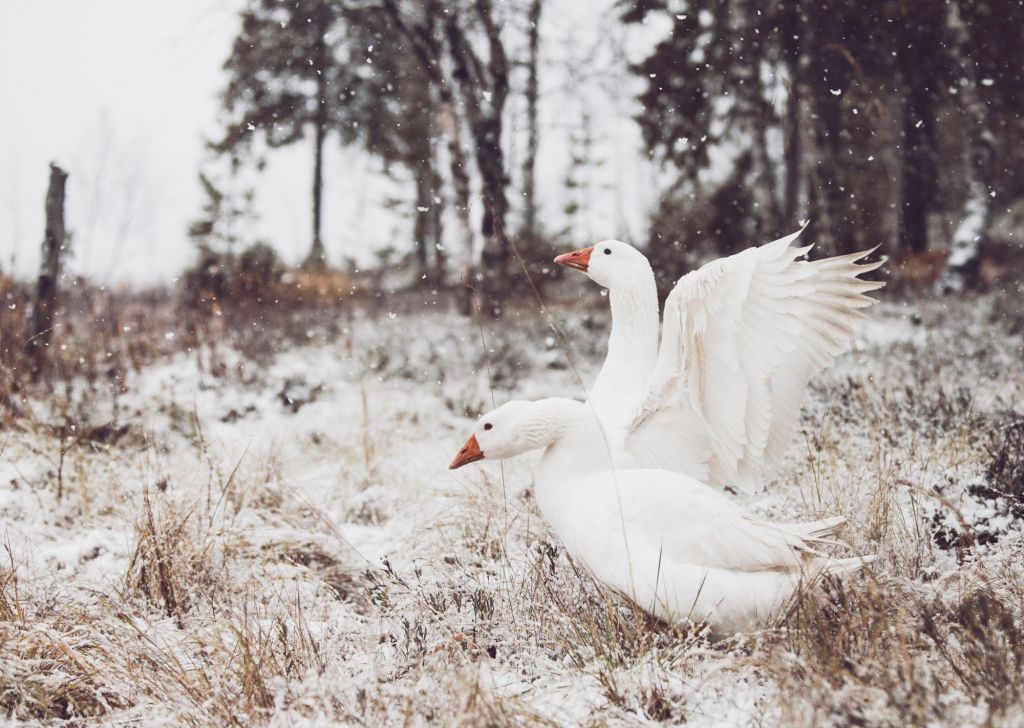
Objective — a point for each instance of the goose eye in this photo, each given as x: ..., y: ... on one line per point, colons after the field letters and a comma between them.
x: 607, y: 251
x: 488, y: 426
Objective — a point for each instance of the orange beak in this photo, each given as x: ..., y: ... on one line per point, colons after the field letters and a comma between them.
x: 469, y: 453
x: 578, y: 259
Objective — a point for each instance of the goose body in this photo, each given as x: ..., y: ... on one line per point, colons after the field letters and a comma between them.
x: 678, y: 548
x: 741, y: 338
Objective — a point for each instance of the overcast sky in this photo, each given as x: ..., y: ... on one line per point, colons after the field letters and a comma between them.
x: 119, y: 93
x: 122, y: 93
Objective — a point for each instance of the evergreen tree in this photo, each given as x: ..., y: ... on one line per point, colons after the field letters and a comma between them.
x: 397, y: 117
x: 578, y: 182
x: 290, y: 75
x: 218, y: 234
x: 420, y: 32
x: 218, y: 230
x: 706, y: 94
x: 854, y: 74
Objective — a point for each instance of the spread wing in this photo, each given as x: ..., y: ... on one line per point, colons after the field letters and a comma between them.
x: 742, y: 336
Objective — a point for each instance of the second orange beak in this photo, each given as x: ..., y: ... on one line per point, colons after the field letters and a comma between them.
x: 578, y: 259
x: 469, y: 453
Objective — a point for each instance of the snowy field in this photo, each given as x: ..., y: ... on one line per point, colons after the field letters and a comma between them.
x: 278, y: 540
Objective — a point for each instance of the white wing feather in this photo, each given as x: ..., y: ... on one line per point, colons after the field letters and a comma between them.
x: 742, y: 337
x: 716, y: 532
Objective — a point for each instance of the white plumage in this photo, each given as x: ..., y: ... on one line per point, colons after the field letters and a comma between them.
x: 741, y: 338
x: 678, y: 548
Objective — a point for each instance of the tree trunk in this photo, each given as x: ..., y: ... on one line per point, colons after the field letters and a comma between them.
x: 794, y: 156
x: 765, y: 191
x: 425, y: 44
x: 440, y: 265
x: 963, y: 263
x: 919, y: 56
x: 529, y: 231
x: 490, y: 159
x: 918, y: 179
x: 830, y: 131
x: 916, y: 150
x: 317, y: 257
x: 44, y: 312
x: 829, y: 81
x: 422, y: 157
x: 460, y: 187
x: 791, y: 33
x: 421, y: 228
x: 484, y: 90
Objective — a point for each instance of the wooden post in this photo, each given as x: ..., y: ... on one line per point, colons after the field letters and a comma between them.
x: 43, y: 313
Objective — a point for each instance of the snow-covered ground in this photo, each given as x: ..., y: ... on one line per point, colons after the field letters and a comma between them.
x: 283, y: 543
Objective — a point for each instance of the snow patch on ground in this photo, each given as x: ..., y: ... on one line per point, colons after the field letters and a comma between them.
x: 322, y: 478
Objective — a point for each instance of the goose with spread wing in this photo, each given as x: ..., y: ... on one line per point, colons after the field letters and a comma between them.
x: 678, y: 548
x: 742, y: 336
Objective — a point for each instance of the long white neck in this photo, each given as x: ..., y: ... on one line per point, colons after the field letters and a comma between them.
x: 632, y: 345
x: 575, y: 444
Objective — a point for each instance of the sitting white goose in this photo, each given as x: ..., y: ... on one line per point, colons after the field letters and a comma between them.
x: 678, y: 548
x: 741, y: 339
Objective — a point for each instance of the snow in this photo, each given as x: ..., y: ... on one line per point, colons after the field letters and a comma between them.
x: 328, y: 461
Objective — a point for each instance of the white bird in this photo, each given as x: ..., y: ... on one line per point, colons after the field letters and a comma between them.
x: 720, y: 398
x: 678, y: 548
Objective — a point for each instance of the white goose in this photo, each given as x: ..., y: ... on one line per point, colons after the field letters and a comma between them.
x: 742, y: 337
x: 678, y: 548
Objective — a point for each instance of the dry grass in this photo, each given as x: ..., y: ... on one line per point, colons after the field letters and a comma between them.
x: 175, y: 561
x: 901, y: 654
x: 220, y: 660
x: 54, y: 670
x: 934, y: 636
x: 237, y: 597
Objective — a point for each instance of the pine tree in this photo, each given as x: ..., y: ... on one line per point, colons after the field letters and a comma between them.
x: 420, y: 31
x: 705, y: 92
x: 219, y: 229
x: 578, y: 181
x: 397, y: 117
x: 917, y: 76
x: 290, y: 75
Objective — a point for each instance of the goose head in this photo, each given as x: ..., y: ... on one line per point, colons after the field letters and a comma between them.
x: 515, y: 428
x: 610, y: 263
